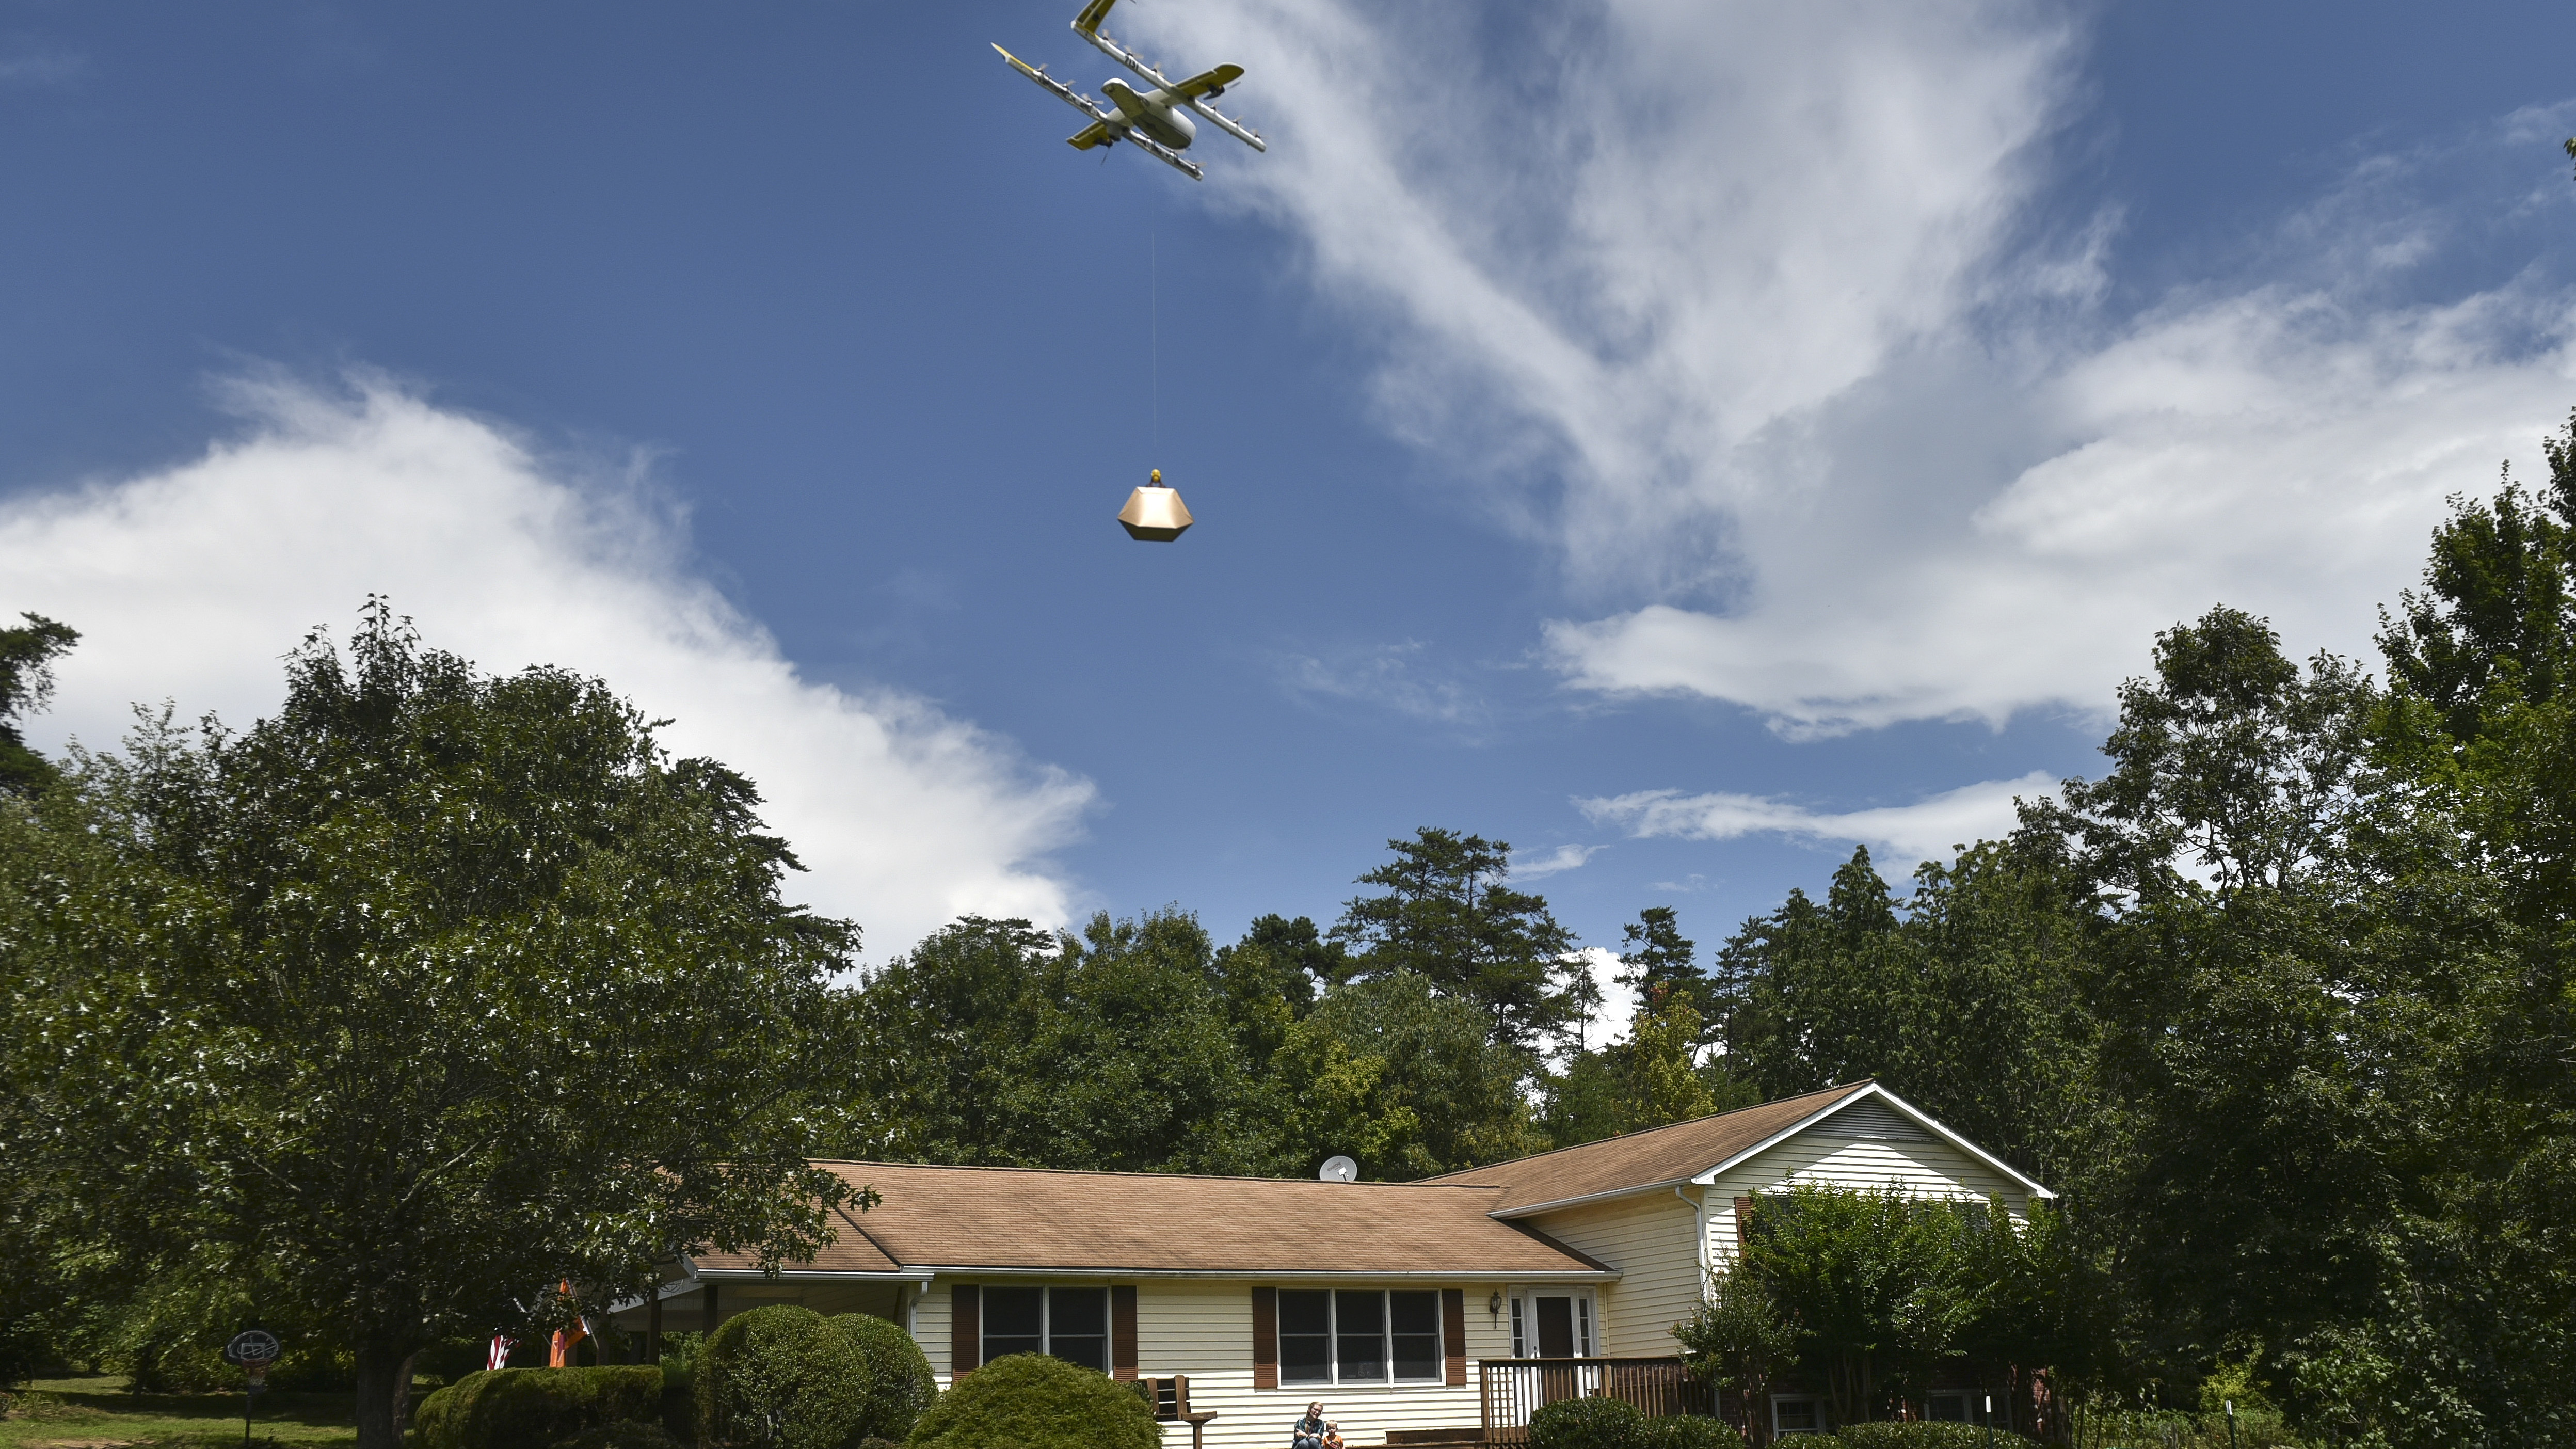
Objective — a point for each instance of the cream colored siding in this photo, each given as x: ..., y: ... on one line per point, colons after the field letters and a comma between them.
x: 1926, y: 1169
x: 1203, y: 1328
x: 1648, y: 1239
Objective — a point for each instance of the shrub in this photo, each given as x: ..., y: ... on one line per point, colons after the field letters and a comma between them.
x: 524, y: 1408
x: 1029, y: 1401
x: 1925, y: 1435
x: 1692, y: 1431
x: 1589, y: 1423
x: 622, y: 1436
x: 789, y: 1378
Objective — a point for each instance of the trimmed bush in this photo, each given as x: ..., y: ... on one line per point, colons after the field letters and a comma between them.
x: 1926, y: 1435
x: 1589, y: 1423
x: 1692, y: 1431
x: 785, y: 1377
x: 1030, y: 1401
x: 525, y: 1408
x: 622, y: 1436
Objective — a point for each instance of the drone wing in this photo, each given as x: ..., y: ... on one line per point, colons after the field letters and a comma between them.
x: 1164, y: 154
x: 1092, y: 14
x: 1095, y: 134
x: 1057, y: 88
x: 1208, y: 83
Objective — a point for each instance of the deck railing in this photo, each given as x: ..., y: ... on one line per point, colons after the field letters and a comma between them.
x: 1515, y: 1388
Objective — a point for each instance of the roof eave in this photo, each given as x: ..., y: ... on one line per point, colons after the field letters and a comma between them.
x: 1256, y: 1275
x: 1666, y: 1185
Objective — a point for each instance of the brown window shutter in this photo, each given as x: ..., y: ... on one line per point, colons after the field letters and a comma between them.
x: 1265, y: 1338
x: 1743, y: 1215
x: 1122, y: 1334
x: 1453, y: 1334
x: 965, y: 1329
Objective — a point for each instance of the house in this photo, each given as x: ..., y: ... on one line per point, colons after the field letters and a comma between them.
x: 1397, y: 1304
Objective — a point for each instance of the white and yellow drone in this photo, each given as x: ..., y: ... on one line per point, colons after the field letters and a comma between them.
x: 1157, y: 121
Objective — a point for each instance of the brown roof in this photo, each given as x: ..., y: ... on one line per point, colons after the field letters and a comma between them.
x: 1657, y: 1157
x: 1111, y: 1222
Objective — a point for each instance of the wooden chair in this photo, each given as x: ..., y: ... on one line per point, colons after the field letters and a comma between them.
x: 1172, y: 1406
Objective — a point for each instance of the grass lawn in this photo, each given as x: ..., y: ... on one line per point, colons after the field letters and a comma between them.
x: 98, y: 1413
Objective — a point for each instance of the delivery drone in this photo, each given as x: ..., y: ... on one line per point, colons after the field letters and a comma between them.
x: 1156, y: 122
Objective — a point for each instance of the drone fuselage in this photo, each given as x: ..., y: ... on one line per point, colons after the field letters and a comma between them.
x: 1154, y: 112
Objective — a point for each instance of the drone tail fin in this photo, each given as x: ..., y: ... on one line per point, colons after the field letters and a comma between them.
x: 1092, y: 14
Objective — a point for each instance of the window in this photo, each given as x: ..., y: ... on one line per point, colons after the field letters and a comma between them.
x: 1795, y: 1416
x: 1070, y: 1323
x: 1359, y: 1336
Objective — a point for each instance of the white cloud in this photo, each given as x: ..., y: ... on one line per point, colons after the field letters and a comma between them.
x: 1555, y: 862
x: 189, y: 583
x: 1739, y: 305
x: 1902, y: 834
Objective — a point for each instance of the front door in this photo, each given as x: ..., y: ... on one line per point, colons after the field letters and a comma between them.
x: 1555, y: 1327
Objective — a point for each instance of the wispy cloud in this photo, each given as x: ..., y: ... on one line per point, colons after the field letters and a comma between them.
x: 1400, y: 678
x: 190, y: 582
x: 25, y: 62
x: 1555, y: 862
x: 1740, y: 306
x: 1928, y: 829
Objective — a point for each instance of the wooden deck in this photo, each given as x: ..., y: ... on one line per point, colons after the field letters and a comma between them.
x: 1515, y: 1388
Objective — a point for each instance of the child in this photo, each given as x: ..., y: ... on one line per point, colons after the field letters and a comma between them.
x: 1332, y: 1435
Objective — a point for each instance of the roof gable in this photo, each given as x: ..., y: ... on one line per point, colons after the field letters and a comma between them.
x: 1638, y: 1161
x: 1698, y: 1150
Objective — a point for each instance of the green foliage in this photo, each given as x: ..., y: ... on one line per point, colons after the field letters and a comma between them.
x: 1030, y: 1401
x: 622, y: 1436
x: 1406, y: 1080
x: 1449, y: 918
x: 1738, y: 1337
x: 784, y: 1377
x: 517, y: 1408
x: 433, y: 986
x: 26, y: 686
x: 1691, y: 1431
x: 1883, y: 1434
x: 1590, y: 1422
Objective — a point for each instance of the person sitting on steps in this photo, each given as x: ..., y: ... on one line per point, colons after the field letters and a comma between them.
x: 1308, y: 1432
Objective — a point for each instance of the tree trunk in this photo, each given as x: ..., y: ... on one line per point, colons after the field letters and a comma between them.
x: 384, y: 1383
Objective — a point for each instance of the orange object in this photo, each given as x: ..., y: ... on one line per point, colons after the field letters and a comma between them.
x: 559, y: 1351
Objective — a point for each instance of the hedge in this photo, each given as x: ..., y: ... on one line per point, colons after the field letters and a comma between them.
x: 1030, y: 1401
x: 785, y: 1377
x: 535, y: 1408
x: 1606, y: 1423
x: 1923, y: 1434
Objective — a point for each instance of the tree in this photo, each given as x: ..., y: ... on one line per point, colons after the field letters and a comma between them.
x: 1403, y: 1078
x: 1656, y: 958
x: 1665, y: 1084
x: 1448, y: 918
x: 26, y: 687
x: 1736, y: 1338
x: 434, y: 989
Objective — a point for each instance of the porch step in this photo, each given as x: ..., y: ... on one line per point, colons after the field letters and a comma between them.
x: 1435, y: 1436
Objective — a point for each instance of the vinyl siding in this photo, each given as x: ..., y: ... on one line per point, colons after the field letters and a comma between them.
x: 1926, y: 1169
x: 1203, y: 1328
x: 1648, y: 1239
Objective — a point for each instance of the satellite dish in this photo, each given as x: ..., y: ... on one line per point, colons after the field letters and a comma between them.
x: 1154, y: 513
x: 1339, y: 1169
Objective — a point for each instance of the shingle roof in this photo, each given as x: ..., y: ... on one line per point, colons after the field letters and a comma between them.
x: 1111, y: 1222
x: 1657, y: 1157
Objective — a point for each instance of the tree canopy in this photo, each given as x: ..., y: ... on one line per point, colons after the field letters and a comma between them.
x: 435, y: 988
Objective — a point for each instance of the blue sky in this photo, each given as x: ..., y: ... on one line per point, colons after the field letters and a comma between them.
x: 1681, y: 439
